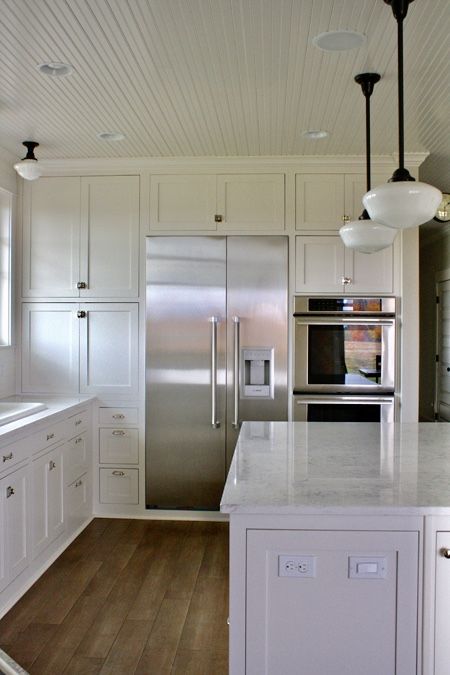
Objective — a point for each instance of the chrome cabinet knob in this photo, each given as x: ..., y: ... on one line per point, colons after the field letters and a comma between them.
x: 81, y: 314
x: 81, y: 284
x: 218, y: 218
x: 345, y: 219
x: 346, y: 280
x: 445, y: 553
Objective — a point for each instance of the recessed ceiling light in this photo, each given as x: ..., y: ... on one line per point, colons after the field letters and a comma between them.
x: 339, y: 40
x: 315, y: 134
x: 110, y: 136
x: 55, y: 69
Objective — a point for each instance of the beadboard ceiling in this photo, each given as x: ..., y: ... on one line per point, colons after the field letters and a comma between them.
x: 220, y: 78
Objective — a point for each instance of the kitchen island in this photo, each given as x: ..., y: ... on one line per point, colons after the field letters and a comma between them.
x: 339, y: 536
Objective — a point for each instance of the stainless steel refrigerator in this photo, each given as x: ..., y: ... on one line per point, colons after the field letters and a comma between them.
x: 216, y: 354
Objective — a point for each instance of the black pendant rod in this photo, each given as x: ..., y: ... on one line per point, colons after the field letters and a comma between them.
x: 367, y: 82
x: 400, y: 10
x: 30, y: 146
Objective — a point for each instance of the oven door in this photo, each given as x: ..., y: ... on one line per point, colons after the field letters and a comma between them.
x: 335, y: 354
x: 343, y: 408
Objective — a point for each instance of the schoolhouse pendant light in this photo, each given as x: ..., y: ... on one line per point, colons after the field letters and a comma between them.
x: 28, y: 167
x: 364, y: 234
x: 402, y: 202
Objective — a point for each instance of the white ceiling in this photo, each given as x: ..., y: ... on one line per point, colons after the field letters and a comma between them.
x: 220, y: 78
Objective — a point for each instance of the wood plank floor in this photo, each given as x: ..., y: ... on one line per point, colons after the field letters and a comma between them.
x: 128, y: 596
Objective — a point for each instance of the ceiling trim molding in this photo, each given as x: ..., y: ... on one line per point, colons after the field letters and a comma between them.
x: 301, y: 163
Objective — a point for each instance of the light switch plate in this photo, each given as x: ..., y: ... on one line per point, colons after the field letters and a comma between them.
x: 367, y: 567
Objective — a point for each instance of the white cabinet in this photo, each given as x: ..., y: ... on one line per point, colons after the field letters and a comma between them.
x: 47, y: 489
x: 91, y: 348
x: 355, y: 606
x: 324, y: 265
x: 217, y: 202
x: 442, y: 599
x: 81, y: 237
x: 14, y: 553
x: 323, y: 201
x: 119, y: 486
x: 119, y: 446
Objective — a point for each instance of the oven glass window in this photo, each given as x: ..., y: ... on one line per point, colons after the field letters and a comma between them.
x: 345, y: 354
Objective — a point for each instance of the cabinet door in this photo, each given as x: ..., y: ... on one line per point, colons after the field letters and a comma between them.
x: 251, y: 201
x: 182, y: 202
x: 47, y: 499
x: 109, y: 349
x: 319, y: 201
x: 369, y: 272
x: 442, y: 599
x: 355, y: 607
x: 319, y: 264
x: 109, y: 252
x: 49, y: 348
x: 51, y: 232
x: 13, y: 495
x: 356, y: 188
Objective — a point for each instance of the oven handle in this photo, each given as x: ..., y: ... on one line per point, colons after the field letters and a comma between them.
x: 332, y: 321
x: 347, y: 398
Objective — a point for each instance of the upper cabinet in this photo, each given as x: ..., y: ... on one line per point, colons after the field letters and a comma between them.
x: 326, y: 201
x: 231, y: 202
x: 81, y: 237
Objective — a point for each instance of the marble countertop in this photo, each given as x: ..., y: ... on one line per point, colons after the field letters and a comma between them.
x: 339, y: 469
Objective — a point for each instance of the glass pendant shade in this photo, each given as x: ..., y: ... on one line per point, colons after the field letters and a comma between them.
x: 367, y: 236
x: 28, y: 169
x: 402, y: 204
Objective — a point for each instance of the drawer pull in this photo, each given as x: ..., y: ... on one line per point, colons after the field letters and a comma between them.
x: 50, y: 436
x: 78, y: 422
x: 118, y: 432
x: 78, y: 440
x: 118, y: 473
x: 6, y: 457
x: 9, y: 492
x: 445, y: 552
x: 118, y: 416
x: 78, y: 483
x: 51, y: 465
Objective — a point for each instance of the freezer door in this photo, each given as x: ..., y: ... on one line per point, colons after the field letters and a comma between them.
x: 257, y: 309
x: 185, y: 371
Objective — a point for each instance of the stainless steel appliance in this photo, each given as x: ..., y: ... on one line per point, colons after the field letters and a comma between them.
x: 344, y: 345
x: 343, y: 408
x: 216, y: 354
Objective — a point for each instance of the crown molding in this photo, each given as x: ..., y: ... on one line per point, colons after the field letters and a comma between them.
x: 302, y: 163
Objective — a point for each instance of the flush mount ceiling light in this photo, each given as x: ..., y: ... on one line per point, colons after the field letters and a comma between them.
x: 339, y: 40
x: 28, y: 167
x: 402, y: 202
x: 110, y: 136
x: 315, y: 134
x: 364, y: 234
x: 55, y: 69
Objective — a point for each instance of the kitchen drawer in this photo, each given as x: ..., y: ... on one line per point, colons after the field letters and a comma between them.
x: 119, y: 486
x: 78, y: 502
x: 76, y: 458
x: 77, y: 423
x: 49, y: 436
x: 119, y: 446
x: 12, y: 454
x: 118, y: 415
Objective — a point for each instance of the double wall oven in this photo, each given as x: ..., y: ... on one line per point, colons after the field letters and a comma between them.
x: 344, y: 366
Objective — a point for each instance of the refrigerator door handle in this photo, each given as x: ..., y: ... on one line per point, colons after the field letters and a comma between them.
x: 214, y: 422
x: 236, y: 369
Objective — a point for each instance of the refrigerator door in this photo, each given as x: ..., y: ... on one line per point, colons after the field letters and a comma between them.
x: 185, y: 372
x: 257, y: 306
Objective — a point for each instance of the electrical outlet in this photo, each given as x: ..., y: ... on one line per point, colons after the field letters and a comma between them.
x: 301, y: 566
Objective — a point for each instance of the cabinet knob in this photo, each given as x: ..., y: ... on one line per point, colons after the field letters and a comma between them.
x: 445, y: 552
x: 81, y: 284
x: 81, y: 314
x: 50, y: 436
x: 51, y: 465
x: 218, y: 218
x: 6, y: 457
x: 345, y: 219
x: 78, y: 483
x: 9, y: 492
x: 346, y: 280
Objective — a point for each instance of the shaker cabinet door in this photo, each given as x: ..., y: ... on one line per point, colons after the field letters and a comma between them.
x: 47, y: 515
x: 319, y: 201
x: 51, y: 234
x: 250, y: 202
x: 319, y: 264
x: 182, y: 202
x: 14, y: 513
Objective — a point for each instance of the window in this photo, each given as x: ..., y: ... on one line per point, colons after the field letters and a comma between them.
x: 5, y: 267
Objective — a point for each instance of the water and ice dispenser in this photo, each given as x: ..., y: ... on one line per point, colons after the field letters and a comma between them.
x: 257, y: 372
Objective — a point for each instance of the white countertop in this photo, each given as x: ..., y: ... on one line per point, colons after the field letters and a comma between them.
x: 340, y: 468
x: 54, y: 405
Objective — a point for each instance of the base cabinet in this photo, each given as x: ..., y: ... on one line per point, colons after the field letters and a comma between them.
x: 14, y: 550
x: 47, y: 513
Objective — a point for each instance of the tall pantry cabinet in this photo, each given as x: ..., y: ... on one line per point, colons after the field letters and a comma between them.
x: 80, y: 244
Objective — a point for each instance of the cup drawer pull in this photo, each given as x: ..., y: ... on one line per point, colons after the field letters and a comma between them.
x: 118, y: 473
x: 6, y: 457
x: 118, y: 432
x: 50, y: 436
x: 78, y: 422
x: 78, y: 440
x: 118, y: 416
